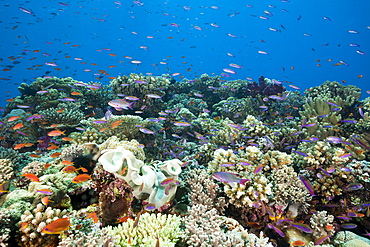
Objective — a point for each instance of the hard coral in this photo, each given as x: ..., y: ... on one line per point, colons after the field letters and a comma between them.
x: 263, y: 87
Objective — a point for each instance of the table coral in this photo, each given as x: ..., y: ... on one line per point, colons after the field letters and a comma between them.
x: 150, y: 227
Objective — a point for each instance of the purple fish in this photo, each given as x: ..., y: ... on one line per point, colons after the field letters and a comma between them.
x: 227, y: 177
x: 227, y: 164
x: 353, y: 187
x: 308, y: 185
x: 244, y: 163
x: 345, y: 169
x: 302, y: 227
x: 351, y: 121
x: 361, y: 52
x: 108, y: 114
x: 26, y: 11
x: 150, y: 207
x: 361, y: 112
x: 67, y: 99
x: 120, y: 104
x: 277, y: 230
x: 147, y: 131
x: 334, y: 139
x: 308, y: 125
x: 300, y: 153
x: 348, y: 226
x: 100, y: 121
x: 321, y: 239
x: 342, y: 217
x: 331, y: 103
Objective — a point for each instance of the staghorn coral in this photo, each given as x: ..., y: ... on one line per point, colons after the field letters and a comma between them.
x: 321, y: 224
x: 165, y: 228
x: 32, y: 234
x: 64, y: 115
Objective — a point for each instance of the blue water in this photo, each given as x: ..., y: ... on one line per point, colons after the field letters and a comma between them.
x: 302, y: 50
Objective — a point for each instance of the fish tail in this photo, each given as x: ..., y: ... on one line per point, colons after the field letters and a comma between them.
x: 131, y: 105
x: 243, y: 181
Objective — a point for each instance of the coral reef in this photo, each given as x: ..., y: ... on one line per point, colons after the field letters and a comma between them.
x: 31, y: 234
x: 150, y: 229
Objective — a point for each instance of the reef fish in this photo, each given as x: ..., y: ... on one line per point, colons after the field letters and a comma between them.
x: 57, y: 226
x: 307, y: 184
x: 81, y: 178
x: 120, y: 104
x: 227, y: 177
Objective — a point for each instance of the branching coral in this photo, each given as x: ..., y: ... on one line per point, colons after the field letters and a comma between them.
x: 152, y: 228
x: 321, y: 224
x: 123, y: 126
x: 207, y: 228
x: 287, y: 188
x: 64, y: 115
x: 32, y: 235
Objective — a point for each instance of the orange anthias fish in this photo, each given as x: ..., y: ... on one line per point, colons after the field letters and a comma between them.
x: 93, y: 216
x: 67, y: 162
x: 56, y: 133
x: 115, y: 124
x: 57, y: 226
x: 31, y: 177
x: 18, y: 126
x: 45, y: 200
x: 81, y: 178
x: 13, y: 118
x: 19, y: 146
x: 55, y: 155
x: 69, y: 169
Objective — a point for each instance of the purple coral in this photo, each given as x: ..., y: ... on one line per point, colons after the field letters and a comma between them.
x: 263, y: 88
